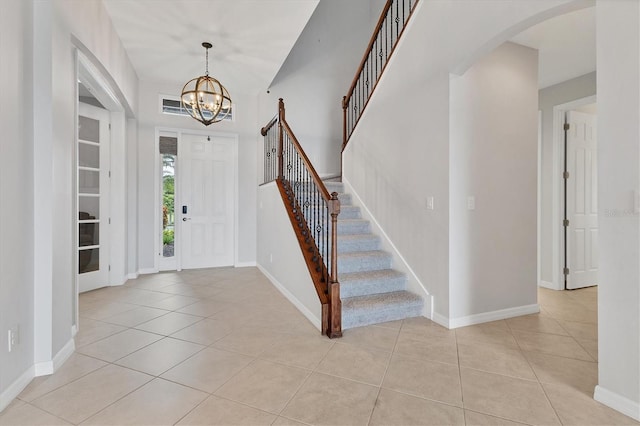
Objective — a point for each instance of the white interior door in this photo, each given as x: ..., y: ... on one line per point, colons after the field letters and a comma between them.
x: 93, y: 197
x: 582, y: 200
x: 206, y: 174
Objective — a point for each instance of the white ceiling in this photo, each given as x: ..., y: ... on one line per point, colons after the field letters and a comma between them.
x: 251, y: 38
x: 566, y: 44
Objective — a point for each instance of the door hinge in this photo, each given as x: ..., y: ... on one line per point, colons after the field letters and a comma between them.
x: 109, y: 173
x: 567, y: 126
x: 565, y: 271
x: 109, y: 267
x: 565, y: 175
x: 109, y: 221
x: 565, y: 222
x: 109, y: 126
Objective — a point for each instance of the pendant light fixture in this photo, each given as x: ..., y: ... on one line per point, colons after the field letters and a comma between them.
x: 205, y: 98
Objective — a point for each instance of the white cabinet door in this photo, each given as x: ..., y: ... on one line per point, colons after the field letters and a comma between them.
x: 206, y: 173
x: 582, y: 200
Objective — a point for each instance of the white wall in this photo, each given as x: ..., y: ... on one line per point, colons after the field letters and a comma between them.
x: 58, y: 31
x: 245, y: 125
x: 317, y: 74
x: 618, y: 52
x: 16, y: 196
x: 279, y: 255
x: 570, y: 90
x: 493, y: 158
x: 399, y: 156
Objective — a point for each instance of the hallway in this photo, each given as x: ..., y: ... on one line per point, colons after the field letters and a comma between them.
x: 223, y: 346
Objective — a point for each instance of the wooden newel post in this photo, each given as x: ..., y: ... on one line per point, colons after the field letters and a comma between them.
x: 280, y: 139
x: 334, y: 285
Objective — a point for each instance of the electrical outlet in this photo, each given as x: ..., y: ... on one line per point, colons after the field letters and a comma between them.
x: 471, y: 202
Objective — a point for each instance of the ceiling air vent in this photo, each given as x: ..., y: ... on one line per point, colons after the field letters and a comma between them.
x: 172, y: 105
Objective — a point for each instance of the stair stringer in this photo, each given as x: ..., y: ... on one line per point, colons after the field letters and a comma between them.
x: 414, y: 284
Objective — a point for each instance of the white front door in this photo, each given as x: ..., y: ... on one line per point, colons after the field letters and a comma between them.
x: 582, y: 201
x: 93, y: 197
x: 207, y: 200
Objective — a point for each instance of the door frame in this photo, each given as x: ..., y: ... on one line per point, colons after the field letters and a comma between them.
x: 557, y: 247
x: 157, y: 196
x: 94, y: 79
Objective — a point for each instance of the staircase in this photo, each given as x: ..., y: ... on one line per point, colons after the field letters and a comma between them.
x: 371, y: 291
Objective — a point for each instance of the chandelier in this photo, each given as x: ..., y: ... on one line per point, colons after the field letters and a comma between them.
x: 205, y: 98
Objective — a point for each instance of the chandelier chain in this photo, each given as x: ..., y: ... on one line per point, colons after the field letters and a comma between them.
x: 207, y: 61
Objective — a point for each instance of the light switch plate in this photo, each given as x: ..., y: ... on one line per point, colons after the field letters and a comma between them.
x: 471, y: 202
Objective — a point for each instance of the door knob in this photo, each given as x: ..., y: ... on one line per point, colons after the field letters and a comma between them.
x: 184, y: 219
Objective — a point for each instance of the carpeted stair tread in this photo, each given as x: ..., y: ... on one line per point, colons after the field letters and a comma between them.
x: 334, y: 187
x: 371, y: 282
x: 353, y: 226
x: 349, y: 212
x: 371, y: 291
x: 377, y: 308
x: 357, y: 242
x: 360, y: 261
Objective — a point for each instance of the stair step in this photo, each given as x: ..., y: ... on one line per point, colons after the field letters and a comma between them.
x: 334, y: 187
x: 377, y: 308
x: 371, y: 282
x: 349, y: 212
x: 353, y: 226
x: 358, y: 242
x: 361, y: 261
x: 345, y: 199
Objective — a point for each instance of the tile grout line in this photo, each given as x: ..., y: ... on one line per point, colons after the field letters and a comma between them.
x: 464, y: 411
x: 544, y: 391
x: 384, y: 375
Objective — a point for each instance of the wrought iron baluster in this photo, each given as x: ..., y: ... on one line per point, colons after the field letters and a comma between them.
x: 397, y: 21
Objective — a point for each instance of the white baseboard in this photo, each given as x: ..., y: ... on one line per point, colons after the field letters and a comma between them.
x: 617, y: 402
x: 148, y: 271
x: 440, y: 319
x: 492, y: 316
x: 286, y: 293
x: 549, y: 285
x: 133, y: 275
x: 399, y: 262
x: 244, y: 264
x: 50, y: 367
x: 16, y: 387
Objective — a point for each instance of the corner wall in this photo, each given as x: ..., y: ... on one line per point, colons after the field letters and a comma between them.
x: 493, y: 158
x: 399, y: 153
x: 16, y: 197
x: 618, y: 53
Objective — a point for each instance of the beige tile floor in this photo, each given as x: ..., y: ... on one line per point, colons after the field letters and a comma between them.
x: 222, y: 346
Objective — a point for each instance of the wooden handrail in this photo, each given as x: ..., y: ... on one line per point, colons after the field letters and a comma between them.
x: 321, y: 208
x: 316, y: 179
x: 373, y: 65
x: 268, y: 126
x: 365, y: 57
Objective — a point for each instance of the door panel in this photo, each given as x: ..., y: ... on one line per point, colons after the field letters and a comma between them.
x: 93, y: 197
x: 207, y: 183
x: 582, y: 202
